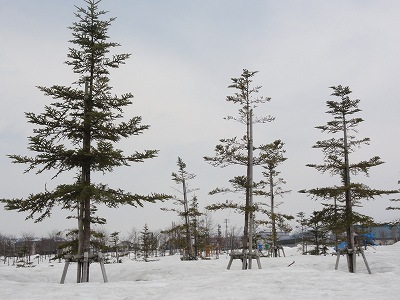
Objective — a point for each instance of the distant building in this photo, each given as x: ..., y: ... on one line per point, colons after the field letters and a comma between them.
x: 383, y: 234
x: 284, y: 238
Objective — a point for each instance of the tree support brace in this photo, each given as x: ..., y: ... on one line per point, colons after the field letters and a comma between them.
x: 244, y: 257
x: 86, y: 259
x: 350, y: 253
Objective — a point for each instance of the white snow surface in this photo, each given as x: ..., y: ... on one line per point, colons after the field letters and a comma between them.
x: 309, y: 277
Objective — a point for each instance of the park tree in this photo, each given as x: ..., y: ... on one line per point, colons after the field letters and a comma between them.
x: 133, y: 238
x: 318, y: 231
x: 26, y: 246
x: 240, y: 151
x: 114, y: 239
x: 302, y: 230
x: 235, y: 237
x: 78, y: 132
x: 337, y: 162
x: 148, y: 242
x: 195, y: 224
x: 7, y: 248
x: 174, y: 239
x: 184, y: 209
x: 204, y: 230
x: 270, y: 157
x: 48, y: 244
x: 100, y: 239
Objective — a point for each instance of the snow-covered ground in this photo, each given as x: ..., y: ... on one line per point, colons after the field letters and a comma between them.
x: 309, y: 277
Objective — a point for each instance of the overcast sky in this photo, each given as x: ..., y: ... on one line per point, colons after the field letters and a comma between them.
x: 184, y: 54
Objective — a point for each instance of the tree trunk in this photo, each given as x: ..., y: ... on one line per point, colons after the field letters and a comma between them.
x: 249, y: 189
x: 351, y: 258
x: 186, y: 211
x: 84, y: 230
x: 273, y: 225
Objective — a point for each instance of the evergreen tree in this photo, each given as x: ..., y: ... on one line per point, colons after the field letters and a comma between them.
x: 114, y: 239
x: 194, y: 215
x: 79, y: 130
x: 234, y: 151
x: 146, y: 242
x: 271, y: 156
x: 302, y: 221
x: 133, y: 238
x: 100, y: 240
x: 318, y: 232
x: 337, y: 152
x: 185, y: 212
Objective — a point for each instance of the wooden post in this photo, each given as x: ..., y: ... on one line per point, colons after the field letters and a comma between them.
x: 258, y: 262
x: 244, y: 261
x: 103, y: 269
x: 365, y: 261
x: 85, y: 261
x: 230, y: 262
x: 243, y: 257
x: 85, y: 274
x: 64, y: 274
x: 337, y: 259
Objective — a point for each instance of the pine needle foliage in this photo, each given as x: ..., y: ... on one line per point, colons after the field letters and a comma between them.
x: 395, y: 201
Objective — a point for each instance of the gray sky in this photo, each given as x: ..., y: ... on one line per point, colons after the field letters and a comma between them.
x: 183, y: 56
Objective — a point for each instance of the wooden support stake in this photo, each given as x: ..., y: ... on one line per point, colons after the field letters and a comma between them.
x: 230, y: 262
x: 244, y: 257
x: 337, y: 260
x: 103, y: 269
x: 84, y: 262
x: 258, y: 262
x: 351, y: 255
x: 79, y: 272
x: 244, y: 261
x: 64, y: 274
x: 365, y: 261
x: 85, y: 276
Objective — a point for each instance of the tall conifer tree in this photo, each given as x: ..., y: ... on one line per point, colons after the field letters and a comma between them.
x: 236, y: 151
x: 271, y: 156
x: 78, y: 131
x: 337, y: 151
x: 182, y: 177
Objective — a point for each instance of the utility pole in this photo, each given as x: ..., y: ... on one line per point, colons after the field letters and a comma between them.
x: 226, y: 234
